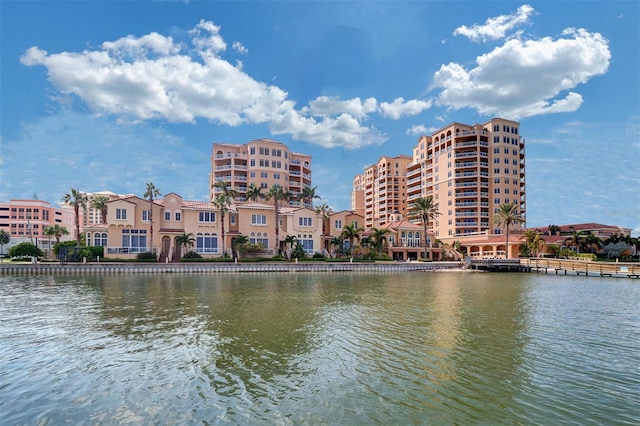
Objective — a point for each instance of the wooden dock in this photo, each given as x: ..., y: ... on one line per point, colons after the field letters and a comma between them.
x: 583, y: 267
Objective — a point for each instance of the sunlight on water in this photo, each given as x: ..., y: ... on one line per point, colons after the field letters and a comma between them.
x: 418, y: 348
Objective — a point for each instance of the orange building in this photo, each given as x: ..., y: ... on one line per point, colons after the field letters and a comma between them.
x: 262, y: 162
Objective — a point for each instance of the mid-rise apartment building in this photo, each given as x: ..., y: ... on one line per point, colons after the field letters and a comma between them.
x: 263, y: 162
x: 469, y: 170
x: 380, y: 191
x: 26, y: 220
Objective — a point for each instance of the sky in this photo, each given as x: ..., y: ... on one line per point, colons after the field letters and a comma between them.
x: 109, y: 95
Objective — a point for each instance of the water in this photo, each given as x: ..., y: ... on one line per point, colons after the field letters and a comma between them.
x: 418, y: 348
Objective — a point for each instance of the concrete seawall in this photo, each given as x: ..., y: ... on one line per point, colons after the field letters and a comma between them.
x: 221, y: 268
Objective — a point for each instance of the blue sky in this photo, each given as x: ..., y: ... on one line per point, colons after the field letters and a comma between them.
x: 102, y: 95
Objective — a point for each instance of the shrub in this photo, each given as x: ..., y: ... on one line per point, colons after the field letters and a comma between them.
x: 146, y: 257
x: 191, y: 255
x: 25, y: 249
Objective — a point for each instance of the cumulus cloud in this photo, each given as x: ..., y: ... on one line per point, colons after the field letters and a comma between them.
x: 496, y: 28
x: 526, y: 78
x: 401, y: 108
x: 327, y: 106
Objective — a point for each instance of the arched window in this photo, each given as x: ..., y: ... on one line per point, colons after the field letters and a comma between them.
x: 206, y: 243
x: 100, y: 239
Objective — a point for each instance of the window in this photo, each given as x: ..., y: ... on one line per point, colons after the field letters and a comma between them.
x: 206, y: 217
x: 258, y: 219
x: 496, y: 150
x: 100, y: 239
x: 178, y: 216
x: 134, y: 240
x: 252, y: 150
x: 496, y: 190
x: 145, y: 215
x: 496, y: 160
x: 307, y: 245
x: 305, y: 221
x: 496, y: 201
x: 206, y: 243
x: 496, y: 180
x: 337, y: 224
x: 253, y: 162
x: 233, y: 218
x: 276, y: 176
x: 167, y: 215
x: 121, y: 214
x: 506, y: 161
x: 496, y: 127
x: 496, y: 171
x: 263, y: 175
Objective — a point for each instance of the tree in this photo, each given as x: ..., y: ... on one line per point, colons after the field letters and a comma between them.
x: 506, y: 217
x: 99, y: 202
x: 56, y: 231
x: 25, y: 249
x: 185, y: 240
x: 277, y: 194
x: 150, y: 193
x: 226, y: 189
x: 77, y: 199
x: 308, y: 194
x: 323, y: 210
x: 533, y: 242
x: 337, y: 242
x: 254, y: 192
x: 5, y: 238
x: 289, y: 241
x: 574, y: 240
x: 619, y: 249
x: 222, y: 202
x: 554, y: 230
x: 351, y: 233
x: 592, y: 242
x: 379, y: 238
x: 426, y: 210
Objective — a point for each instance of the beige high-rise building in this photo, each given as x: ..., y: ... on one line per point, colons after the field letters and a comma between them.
x: 381, y: 190
x: 469, y: 170
x: 263, y: 162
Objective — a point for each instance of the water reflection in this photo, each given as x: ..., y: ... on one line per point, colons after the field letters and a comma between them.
x: 452, y: 348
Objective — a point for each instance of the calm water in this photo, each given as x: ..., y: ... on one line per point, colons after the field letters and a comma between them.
x: 420, y: 348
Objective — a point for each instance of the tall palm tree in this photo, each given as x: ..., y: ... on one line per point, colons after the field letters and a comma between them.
x: 323, y: 210
x: 99, y: 202
x: 290, y: 240
x: 222, y: 202
x: 379, y: 237
x: 554, y: 230
x: 226, y: 189
x: 55, y: 231
x: 337, y: 242
x: 426, y: 210
x: 77, y: 199
x: 5, y: 238
x: 308, y: 194
x: 592, y: 242
x: 185, y: 240
x: 150, y: 193
x: 575, y: 239
x: 254, y: 192
x: 351, y: 233
x: 507, y: 216
x: 277, y: 194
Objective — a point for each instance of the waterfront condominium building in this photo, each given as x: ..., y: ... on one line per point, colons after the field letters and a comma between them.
x: 263, y: 162
x: 379, y: 192
x: 469, y: 170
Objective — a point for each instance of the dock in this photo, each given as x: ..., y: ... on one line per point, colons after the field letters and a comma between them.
x: 583, y: 267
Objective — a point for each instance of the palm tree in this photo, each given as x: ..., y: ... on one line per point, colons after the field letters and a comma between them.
x: 226, y: 189
x: 323, y: 210
x: 507, y: 216
x: 277, y: 194
x: 222, y: 202
x: 56, y: 231
x: 308, y: 194
x: 379, y: 237
x: 351, y: 233
x: 426, y: 210
x: 185, y: 240
x: 149, y: 194
x: 575, y: 239
x: 554, y: 230
x: 5, y: 238
x: 254, y: 192
x: 290, y: 240
x: 337, y: 242
x: 77, y: 199
x: 592, y: 242
x: 99, y: 202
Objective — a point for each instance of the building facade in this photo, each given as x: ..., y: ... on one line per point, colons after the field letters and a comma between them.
x: 26, y: 220
x: 262, y: 162
x: 380, y: 191
x: 469, y: 170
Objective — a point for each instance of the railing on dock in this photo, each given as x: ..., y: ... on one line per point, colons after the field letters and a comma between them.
x: 578, y: 267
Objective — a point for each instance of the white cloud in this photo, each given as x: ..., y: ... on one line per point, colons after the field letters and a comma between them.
x: 526, y: 78
x: 496, y: 28
x: 155, y: 77
x: 400, y: 108
x: 327, y: 106
x: 417, y: 130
